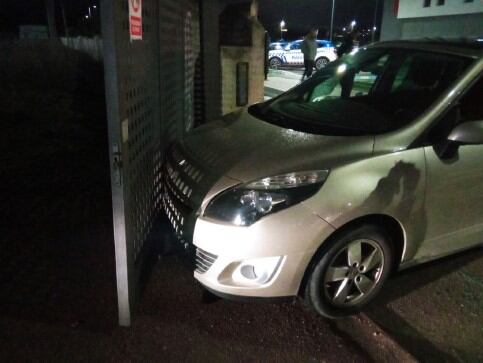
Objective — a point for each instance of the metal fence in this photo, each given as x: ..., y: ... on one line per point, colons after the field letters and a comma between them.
x: 150, y: 101
x: 91, y: 46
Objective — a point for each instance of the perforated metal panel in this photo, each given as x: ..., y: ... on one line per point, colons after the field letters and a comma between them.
x: 150, y: 101
x: 179, y: 49
x: 189, y: 72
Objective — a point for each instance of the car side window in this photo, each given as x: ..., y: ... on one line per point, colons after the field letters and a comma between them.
x: 470, y: 105
x: 424, y: 74
x: 365, y: 79
x: 349, y: 82
x: 401, y: 74
x: 467, y: 109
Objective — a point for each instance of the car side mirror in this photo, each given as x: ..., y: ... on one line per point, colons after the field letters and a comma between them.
x: 469, y: 133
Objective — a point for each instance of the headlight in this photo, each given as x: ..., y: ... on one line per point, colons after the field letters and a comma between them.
x: 243, y: 205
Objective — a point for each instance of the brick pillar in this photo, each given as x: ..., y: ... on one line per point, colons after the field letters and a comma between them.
x: 254, y: 55
x: 210, y: 43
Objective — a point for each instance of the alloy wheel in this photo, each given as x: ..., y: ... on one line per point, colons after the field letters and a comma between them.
x: 275, y: 63
x: 354, y: 273
x: 321, y: 63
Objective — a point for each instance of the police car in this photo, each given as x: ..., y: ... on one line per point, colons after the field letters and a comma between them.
x: 292, y: 55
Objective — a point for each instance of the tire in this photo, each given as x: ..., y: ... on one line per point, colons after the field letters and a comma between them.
x: 340, y: 282
x: 275, y: 63
x: 321, y: 63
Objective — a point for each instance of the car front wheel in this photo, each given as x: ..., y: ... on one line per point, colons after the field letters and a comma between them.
x: 321, y: 63
x: 275, y: 63
x: 350, y: 272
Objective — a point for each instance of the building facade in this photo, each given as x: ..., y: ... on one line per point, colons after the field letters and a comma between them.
x: 411, y: 19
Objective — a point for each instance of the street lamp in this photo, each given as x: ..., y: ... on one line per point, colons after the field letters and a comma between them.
x: 282, y: 26
x: 91, y: 11
x: 353, y: 24
x: 373, y: 37
x: 332, y: 20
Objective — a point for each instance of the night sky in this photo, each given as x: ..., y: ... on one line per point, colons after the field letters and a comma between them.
x: 299, y: 15
x: 32, y: 12
x: 302, y: 14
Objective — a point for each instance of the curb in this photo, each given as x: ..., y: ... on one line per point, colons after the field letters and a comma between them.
x: 379, y: 345
x: 272, y: 92
x: 284, y: 74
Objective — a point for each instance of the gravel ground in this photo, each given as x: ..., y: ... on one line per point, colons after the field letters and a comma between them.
x: 175, y: 323
x: 435, y: 311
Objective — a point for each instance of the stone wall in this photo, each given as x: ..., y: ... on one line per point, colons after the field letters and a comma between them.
x: 210, y: 43
x: 254, y: 55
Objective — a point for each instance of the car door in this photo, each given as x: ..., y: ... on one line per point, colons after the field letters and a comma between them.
x: 454, y: 195
x: 295, y: 56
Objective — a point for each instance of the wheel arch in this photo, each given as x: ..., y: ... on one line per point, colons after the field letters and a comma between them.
x: 322, y: 57
x: 391, y: 226
x: 276, y: 57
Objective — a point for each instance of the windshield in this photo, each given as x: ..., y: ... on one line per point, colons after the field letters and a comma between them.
x: 369, y: 92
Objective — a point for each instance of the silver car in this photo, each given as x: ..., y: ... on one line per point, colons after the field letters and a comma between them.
x: 372, y: 165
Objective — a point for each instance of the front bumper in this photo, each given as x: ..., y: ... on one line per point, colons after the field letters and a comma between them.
x: 274, y: 252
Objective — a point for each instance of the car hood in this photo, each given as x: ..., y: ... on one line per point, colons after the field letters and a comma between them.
x: 244, y: 148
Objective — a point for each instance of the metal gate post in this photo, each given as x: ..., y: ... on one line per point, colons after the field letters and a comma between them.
x: 112, y: 104
x: 132, y: 98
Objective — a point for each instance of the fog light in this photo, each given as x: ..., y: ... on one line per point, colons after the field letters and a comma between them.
x: 248, y: 271
x: 257, y: 271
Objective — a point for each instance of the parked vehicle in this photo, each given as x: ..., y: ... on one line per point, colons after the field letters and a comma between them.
x: 373, y: 165
x: 277, y: 45
x: 292, y: 55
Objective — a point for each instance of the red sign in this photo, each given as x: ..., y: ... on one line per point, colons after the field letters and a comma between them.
x: 395, y: 7
x: 135, y: 19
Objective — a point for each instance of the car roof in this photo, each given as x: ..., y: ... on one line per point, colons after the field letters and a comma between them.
x: 277, y: 43
x: 317, y: 40
x: 470, y: 47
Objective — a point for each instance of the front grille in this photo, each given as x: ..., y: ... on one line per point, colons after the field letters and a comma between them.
x: 175, y: 211
x: 180, y: 180
x: 204, y: 260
